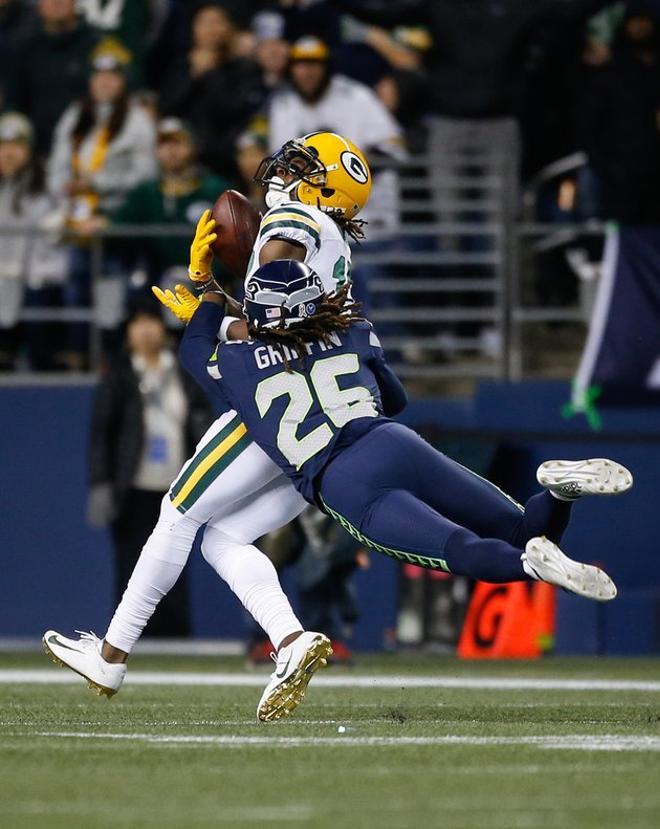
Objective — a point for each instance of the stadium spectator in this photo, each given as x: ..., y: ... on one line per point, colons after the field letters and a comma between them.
x: 271, y: 49
x: 147, y: 417
x: 390, y: 62
x: 548, y: 60
x: 368, y: 53
x: 310, y: 17
x: 169, y: 38
x: 179, y: 195
x: 15, y: 18
x: 50, y: 67
x: 601, y: 29
x: 128, y: 21
x: 104, y: 145
x: 376, y: 50
x: 32, y: 266
x: 478, y: 60
x: 393, y: 50
x: 214, y: 88
x: 318, y: 99
x: 618, y: 119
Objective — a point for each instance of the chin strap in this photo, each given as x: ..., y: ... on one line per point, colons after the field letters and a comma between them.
x: 278, y: 192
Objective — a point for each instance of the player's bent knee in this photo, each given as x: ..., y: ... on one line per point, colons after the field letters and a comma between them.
x: 233, y: 560
x: 171, y: 520
x: 216, y: 543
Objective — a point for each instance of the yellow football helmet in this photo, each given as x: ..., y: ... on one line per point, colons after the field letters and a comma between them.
x: 331, y: 172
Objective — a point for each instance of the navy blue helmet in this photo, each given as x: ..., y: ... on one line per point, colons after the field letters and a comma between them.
x: 281, y: 293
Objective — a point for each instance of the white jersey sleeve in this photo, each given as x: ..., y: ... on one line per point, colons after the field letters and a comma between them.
x: 327, y: 251
x: 293, y: 223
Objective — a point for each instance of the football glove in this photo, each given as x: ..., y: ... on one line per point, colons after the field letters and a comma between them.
x: 201, y: 255
x: 182, y: 303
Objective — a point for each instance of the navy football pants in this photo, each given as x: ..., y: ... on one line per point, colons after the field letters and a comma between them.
x: 398, y: 495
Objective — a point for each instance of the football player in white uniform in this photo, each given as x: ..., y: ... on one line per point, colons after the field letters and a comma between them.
x: 316, y: 187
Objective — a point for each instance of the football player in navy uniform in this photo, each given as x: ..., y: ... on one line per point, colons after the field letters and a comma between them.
x: 316, y: 186
x: 313, y: 388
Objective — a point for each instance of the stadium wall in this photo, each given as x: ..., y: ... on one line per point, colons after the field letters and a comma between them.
x: 58, y: 572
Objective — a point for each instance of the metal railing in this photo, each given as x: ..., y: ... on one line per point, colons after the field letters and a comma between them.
x: 416, y: 294
x: 453, y: 299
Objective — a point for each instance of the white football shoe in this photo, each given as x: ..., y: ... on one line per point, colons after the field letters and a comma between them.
x: 544, y: 561
x: 572, y: 479
x: 295, y: 665
x: 84, y: 657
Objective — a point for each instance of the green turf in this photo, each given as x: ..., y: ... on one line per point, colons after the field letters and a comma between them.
x: 386, y: 664
x: 76, y: 782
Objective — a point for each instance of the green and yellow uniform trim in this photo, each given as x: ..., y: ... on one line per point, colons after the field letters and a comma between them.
x: 429, y: 562
x: 211, y: 460
x: 291, y: 216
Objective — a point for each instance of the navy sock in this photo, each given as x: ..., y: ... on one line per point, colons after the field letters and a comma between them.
x: 485, y: 559
x: 546, y: 515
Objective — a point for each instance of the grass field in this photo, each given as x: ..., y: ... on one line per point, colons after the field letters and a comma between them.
x: 498, y: 746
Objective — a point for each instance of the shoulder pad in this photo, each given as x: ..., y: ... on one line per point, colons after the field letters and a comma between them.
x: 295, y: 221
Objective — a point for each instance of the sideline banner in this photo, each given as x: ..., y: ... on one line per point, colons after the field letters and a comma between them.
x: 621, y: 358
x: 509, y: 621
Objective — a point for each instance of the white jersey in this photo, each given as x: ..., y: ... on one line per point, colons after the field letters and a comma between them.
x: 327, y: 252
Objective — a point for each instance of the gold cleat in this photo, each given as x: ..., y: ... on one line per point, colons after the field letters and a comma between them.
x: 296, y: 664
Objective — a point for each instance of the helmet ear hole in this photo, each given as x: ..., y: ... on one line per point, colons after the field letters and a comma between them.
x: 327, y: 192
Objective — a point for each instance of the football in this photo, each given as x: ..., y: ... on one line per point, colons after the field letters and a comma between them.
x: 237, y: 227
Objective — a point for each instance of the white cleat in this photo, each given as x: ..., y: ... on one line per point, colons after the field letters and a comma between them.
x: 295, y: 665
x: 596, y: 476
x: 544, y: 561
x: 84, y: 657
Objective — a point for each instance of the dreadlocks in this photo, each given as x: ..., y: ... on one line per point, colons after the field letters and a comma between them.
x: 336, y: 313
x: 351, y: 227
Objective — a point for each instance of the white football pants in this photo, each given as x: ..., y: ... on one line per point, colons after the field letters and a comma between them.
x: 234, y: 488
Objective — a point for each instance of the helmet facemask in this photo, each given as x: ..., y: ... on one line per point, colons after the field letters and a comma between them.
x: 293, y: 159
x: 322, y: 170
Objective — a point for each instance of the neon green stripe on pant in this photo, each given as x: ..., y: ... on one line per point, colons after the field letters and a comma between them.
x: 430, y: 563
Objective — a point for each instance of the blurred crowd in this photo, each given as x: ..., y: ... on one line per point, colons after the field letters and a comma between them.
x: 140, y: 112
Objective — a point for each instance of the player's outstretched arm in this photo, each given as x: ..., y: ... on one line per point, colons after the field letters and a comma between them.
x: 199, y: 341
x: 392, y: 393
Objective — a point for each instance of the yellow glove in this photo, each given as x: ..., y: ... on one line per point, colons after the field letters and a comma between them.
x: 181, y: 303
x: 201, y: 255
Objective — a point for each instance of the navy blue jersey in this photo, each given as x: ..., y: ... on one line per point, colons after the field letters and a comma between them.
x: 362, y: 379
x: 300, y: 417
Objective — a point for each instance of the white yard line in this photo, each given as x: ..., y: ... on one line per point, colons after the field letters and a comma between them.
x: 574, y: 742
x: 48, y: 676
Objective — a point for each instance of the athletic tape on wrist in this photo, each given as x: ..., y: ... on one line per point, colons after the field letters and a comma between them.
x: 224, y: 328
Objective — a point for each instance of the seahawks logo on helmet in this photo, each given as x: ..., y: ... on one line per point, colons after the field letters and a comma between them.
x: 282, y: 292
x: 355, y: 167
x: 251, y: 289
